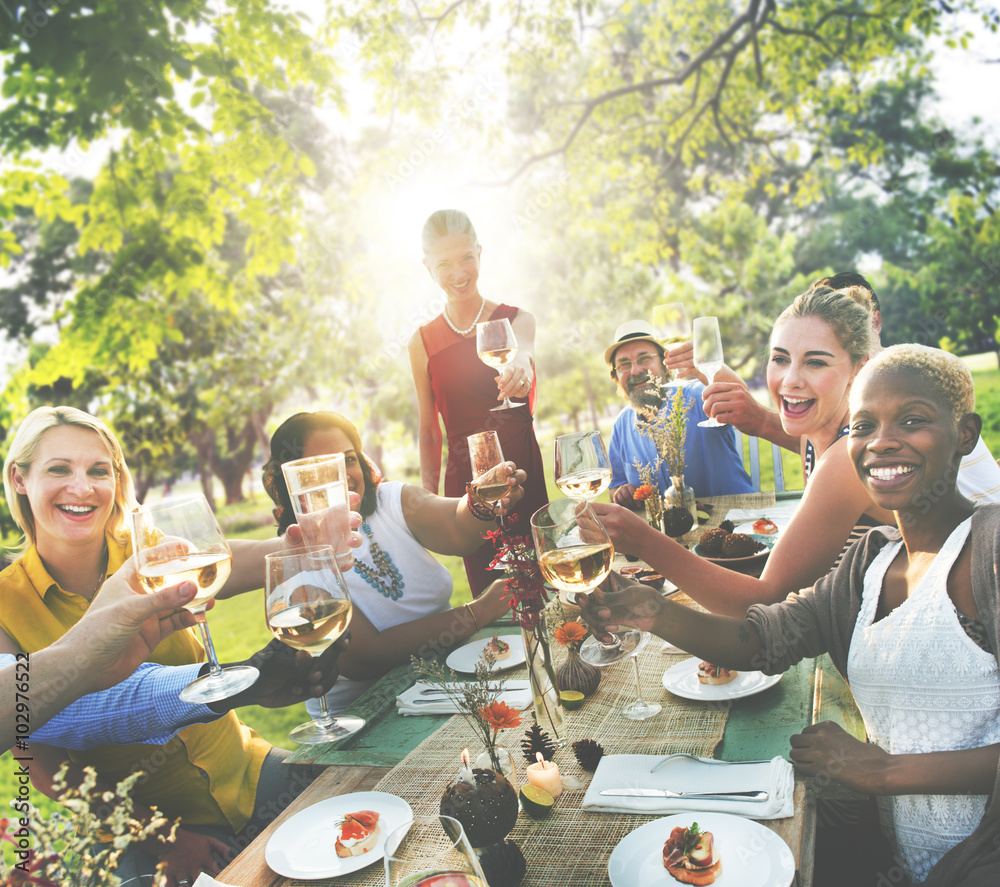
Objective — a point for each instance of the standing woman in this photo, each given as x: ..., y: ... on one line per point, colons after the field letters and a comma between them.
x: 454, y: 383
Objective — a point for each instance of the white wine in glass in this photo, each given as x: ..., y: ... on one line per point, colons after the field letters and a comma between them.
x: 575, y: 555
x: 317, y: 486
x: 496, y: 346
x: 708, y: 357
x: 671, y: 327
x: 178, y: 539
x: 307, y: 607
x: 583, y: 470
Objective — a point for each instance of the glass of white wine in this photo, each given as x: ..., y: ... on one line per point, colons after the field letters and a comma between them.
x: 708, y: 357
x: 307, y: 607
x: 671, y: 327
x: 575, y: 555
x: 496, y: 345
x: 431, y: 851
x: 317, y: 486
x: 178, y: 539
x: 583, y: 470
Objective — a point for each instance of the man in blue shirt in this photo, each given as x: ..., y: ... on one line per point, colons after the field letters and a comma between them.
x: 712, y: 464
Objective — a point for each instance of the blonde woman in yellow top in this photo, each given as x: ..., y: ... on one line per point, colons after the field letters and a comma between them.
x: 70, y: 492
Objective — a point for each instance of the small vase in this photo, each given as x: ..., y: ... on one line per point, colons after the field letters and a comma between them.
x: 654, y: 511
x: 542, y: 677
x: 680, y: 494
x: 575, y: 674
x: 499, y: 760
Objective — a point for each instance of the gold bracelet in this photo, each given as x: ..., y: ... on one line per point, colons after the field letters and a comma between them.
x: 472, y: 613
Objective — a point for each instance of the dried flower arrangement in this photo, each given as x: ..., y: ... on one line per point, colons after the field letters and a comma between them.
x: 667, y: 430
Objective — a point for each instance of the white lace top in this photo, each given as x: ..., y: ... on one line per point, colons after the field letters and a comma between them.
x: 923, y: 685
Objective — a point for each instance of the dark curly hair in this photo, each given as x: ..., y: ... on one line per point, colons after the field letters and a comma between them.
x: 289, y: 442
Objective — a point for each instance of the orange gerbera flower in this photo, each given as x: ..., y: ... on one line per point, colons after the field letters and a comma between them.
x: 499, y: 716
x: 571, y: 634
x: 642, y: 493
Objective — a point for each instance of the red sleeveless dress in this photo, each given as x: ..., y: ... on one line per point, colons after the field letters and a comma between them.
x: 465, y: 390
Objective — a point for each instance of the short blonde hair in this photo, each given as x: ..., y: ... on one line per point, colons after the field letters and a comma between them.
x: 846, y: 312
x: 443, y: 222
x: 24, y: 450
x: 945, y: 376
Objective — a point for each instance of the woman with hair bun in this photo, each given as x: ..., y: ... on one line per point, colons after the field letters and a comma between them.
x: 401, y: 593
x: 453, y: 383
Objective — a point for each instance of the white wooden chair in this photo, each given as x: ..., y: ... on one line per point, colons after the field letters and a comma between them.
x: 755, y: 445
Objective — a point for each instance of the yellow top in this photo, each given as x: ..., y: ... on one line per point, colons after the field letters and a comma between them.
x: 207, y: 774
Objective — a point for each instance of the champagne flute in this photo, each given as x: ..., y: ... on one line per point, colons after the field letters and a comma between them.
x: 575, y: 555
x: 431, y: 851
x: 307, y: 607
x: 708, y: 355
x: 671, y: 326
x: 583, y: 470
x: 640, y: 709
x: 317, y: 486
x: 178, y: 539
x: 496, y: 345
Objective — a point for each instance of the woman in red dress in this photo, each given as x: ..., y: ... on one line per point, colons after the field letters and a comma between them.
x: 454, y: 383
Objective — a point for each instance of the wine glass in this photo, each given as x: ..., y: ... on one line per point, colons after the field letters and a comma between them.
x: 708, y: 355
x: 640, y: 709
x: 484, y: 455
x: 307, y: 607
x: 178, y: 539
x: 671, y: 326
x: 497, y: 347
x: 575, y: 555
x: 317, y: 486
x: 583, y: 470
x: 431, y: 851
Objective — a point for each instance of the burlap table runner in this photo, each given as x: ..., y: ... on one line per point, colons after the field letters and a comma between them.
x: 570, y: 847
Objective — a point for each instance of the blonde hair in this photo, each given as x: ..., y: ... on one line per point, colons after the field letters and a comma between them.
x: 846, y: 312
x: 947, y: 379
x: 443, y: 222
x: 24, y: 450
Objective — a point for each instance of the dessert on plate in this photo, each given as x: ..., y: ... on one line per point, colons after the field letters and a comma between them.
x: 690, y: 856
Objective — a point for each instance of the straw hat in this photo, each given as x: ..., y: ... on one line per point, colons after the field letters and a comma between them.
x: 632, y: 331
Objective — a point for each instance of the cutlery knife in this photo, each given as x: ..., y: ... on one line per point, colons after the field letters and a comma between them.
x: 437, y: 700
x: 666, y: 793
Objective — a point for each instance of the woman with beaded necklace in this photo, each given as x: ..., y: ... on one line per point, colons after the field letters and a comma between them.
x: 452, y: 381
x: 400, y: 591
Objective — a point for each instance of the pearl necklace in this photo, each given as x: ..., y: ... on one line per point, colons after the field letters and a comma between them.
x: 459, y: 332
x: 384, y: 569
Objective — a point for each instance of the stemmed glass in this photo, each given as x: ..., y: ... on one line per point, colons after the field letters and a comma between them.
x: 583, y: 470
x: 431, y: 851
x: 484, y: 455
x: 307, y: 607
x: 640, y: 709
x: 575, y: 555
x: 497, y: 347
x: 178, y: 539
x: 671, y: 327
x: 708, y: 355
x: 317, y: 486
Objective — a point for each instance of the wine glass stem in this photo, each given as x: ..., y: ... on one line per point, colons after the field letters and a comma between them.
x: 635, y: 668
x: 214, y: 669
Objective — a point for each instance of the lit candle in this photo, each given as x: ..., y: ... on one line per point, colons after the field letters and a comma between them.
x: 545, y: 775
x: 465, y: 774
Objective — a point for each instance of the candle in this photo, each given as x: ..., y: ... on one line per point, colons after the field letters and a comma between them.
x: 465, y: 773
x: 545, y: 775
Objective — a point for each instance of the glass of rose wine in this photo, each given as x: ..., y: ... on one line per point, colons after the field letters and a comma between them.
x: 497, y: 347
x: 485, y: 455
x: 178, y: 539
x: 583, y: 470
x: 317, y: 486
x: 431, y: 851
x: 671, y: 327
x: 575, y: 555
x: 307, y: 607
x: 708, y: 357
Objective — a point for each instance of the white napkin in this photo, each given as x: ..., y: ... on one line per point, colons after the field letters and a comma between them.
x: 207, y: 881
x: 682, y: 774
x: 517, y: 694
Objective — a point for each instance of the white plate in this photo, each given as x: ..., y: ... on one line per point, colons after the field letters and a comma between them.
x: 466, y: 658
x: 682, y: 680
x: 752, y: 855
x: 750, y: 531
x: 768, y: 541
x: 303, y: 847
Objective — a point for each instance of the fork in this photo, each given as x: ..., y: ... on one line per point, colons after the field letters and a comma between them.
x: 684, y: 754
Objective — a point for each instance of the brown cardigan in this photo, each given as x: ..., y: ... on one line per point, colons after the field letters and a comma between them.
x: 822, y: 619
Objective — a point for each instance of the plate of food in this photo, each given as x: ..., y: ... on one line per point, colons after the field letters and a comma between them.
x: 704, y: 682
x: 722, y: 547
x: 763, y: 526
x: 337, y: 836
x: 702, y: 848
x: 508, y: 651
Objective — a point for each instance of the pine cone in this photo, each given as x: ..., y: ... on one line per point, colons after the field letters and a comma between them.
x: 588, y: 753
x: 503, y: 864
x: 727, y: 525
x: 537, y: 740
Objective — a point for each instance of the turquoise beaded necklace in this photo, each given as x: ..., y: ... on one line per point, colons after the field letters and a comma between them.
x: 383, y: 569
